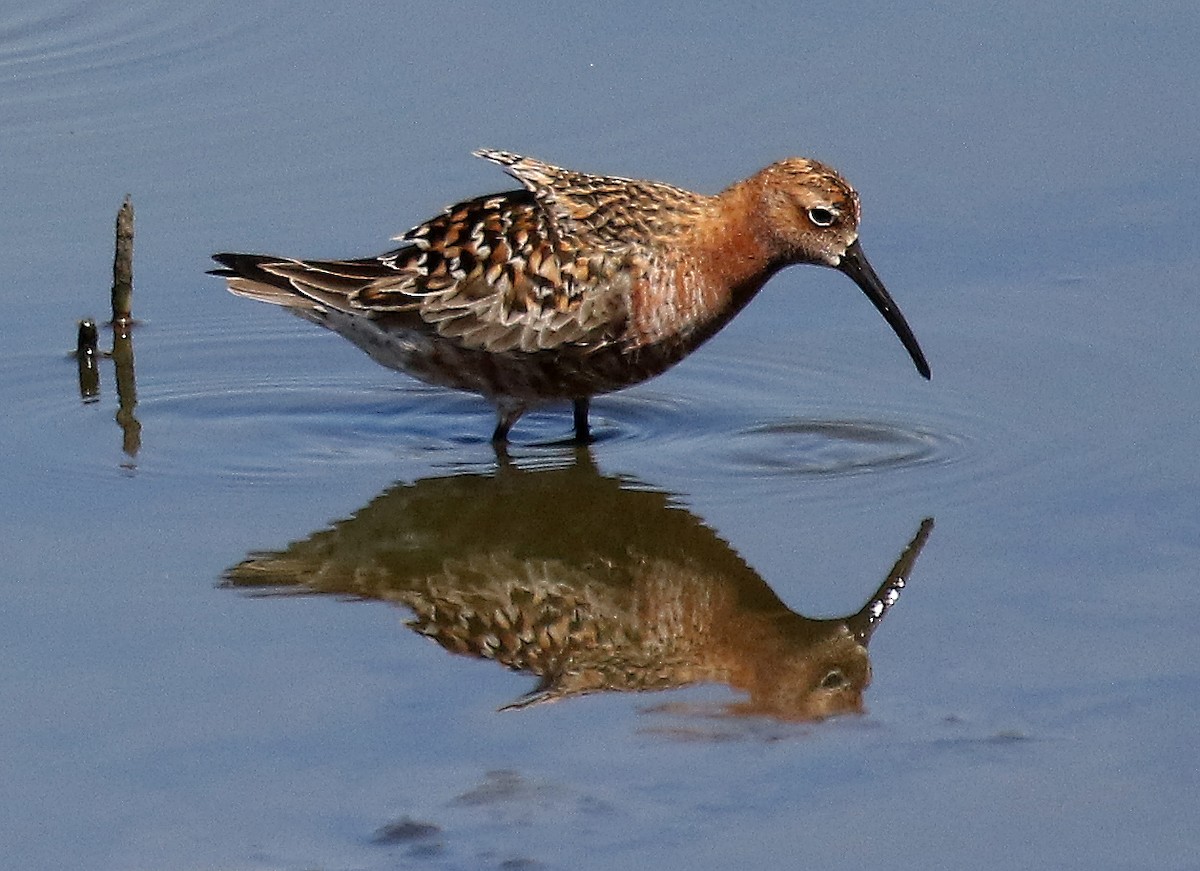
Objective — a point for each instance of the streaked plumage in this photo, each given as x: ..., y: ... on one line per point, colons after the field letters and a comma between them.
x: 577, y: 284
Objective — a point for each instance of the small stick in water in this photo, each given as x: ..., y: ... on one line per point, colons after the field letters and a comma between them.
x: 122, y: 288
x: 89, y: 338
x: 85, y: 353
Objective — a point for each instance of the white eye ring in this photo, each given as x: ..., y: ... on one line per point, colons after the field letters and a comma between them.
x: 822, y: 216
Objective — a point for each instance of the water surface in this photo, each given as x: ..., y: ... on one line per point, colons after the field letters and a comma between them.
x: 1029, y: 200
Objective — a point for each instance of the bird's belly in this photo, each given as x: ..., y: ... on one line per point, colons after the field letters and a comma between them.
x: 565, y: 372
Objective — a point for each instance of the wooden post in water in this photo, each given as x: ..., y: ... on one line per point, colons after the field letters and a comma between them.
x: 122, y: 288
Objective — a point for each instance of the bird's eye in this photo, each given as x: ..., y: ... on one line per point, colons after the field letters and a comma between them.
x: 821, y: 216
x: 835, y: 680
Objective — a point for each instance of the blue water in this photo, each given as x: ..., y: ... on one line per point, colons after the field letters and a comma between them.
x: 1028, y: 177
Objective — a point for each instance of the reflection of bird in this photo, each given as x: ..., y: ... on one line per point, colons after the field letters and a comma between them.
x: 641, y: 595
x: 576, y: 285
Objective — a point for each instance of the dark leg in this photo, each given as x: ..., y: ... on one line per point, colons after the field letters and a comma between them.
x: 500, y: 433
x: 506, y: 416
x: 582, y: 434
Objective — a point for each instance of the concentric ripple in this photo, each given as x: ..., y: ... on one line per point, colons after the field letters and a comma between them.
x: 258, y: 400
x: 837, y: 447
x: 726, y: 422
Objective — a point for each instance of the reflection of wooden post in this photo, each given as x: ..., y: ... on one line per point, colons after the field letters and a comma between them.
x: 122, y: 288
x: 122, y: 353
x: 85, y: 353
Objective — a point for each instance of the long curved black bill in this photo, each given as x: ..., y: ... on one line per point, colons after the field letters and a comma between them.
x: 854, y: 263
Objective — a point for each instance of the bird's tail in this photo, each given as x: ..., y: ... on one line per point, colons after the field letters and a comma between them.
x: 308, y: 286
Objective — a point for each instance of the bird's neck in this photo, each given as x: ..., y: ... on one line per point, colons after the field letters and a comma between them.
x: 712, y: 269
x: 733, y: 252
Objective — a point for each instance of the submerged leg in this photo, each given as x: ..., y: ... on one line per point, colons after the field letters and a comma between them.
x: 506, y: 415
x: 582, y: 433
